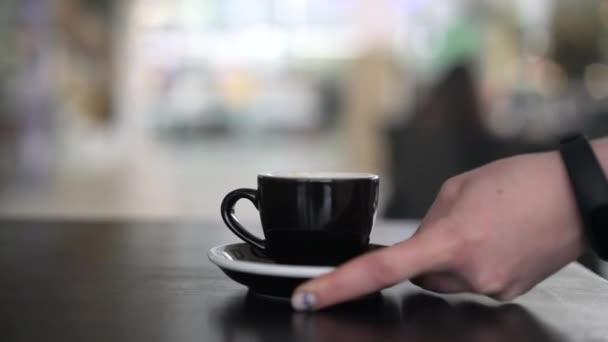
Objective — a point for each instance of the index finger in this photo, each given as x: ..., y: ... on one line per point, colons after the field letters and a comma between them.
x: 371, y: 272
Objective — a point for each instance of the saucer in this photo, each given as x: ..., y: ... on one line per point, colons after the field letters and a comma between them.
x: 262, y: 275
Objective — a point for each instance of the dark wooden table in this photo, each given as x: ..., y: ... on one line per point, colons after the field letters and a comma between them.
x: 121, y: 281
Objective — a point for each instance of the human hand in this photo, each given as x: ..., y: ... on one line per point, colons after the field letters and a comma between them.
x: 497, y: 230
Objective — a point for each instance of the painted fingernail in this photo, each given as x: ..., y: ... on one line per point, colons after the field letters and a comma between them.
x: 303, y: 301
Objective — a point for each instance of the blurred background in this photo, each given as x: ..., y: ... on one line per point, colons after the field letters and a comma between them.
x: 155, y: 109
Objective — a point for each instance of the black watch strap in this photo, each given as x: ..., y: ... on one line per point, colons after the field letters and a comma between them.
x: 590, y: 189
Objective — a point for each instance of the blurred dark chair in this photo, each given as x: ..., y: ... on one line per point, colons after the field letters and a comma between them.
x: 444, y: 137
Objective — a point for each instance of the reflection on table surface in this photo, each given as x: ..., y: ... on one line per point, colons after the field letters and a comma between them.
x: 417, y: 317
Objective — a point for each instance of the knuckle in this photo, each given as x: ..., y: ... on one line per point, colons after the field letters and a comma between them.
x: 450, y: 189
x: 491, y: 283
x: 506, y: 295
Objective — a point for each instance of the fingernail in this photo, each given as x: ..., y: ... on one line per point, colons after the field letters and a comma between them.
x: 303, y: 301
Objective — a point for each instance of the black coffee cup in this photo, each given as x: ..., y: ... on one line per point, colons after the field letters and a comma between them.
x: 316, y: 218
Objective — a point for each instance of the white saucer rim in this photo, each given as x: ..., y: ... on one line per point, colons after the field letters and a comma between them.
x: 274, y: 270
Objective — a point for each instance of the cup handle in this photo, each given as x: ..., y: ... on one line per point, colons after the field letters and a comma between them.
x: 233, y: 223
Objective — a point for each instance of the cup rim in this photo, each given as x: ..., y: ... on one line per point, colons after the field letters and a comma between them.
x: 318, y: 176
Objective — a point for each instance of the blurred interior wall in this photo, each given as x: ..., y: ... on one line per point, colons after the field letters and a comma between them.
x: 373, y: 89
x: 84, y: 52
